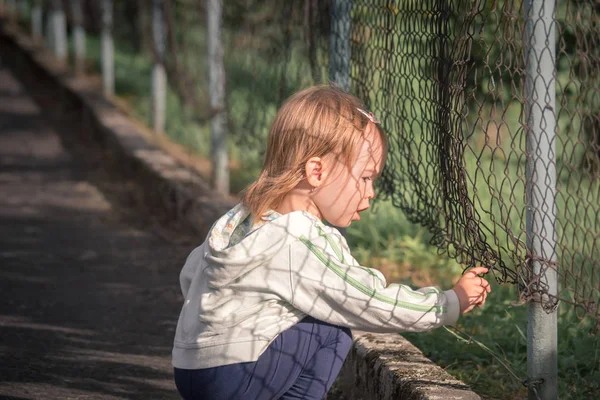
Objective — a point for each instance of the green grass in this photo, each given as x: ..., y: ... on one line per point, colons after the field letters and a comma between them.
x: 501, y: 325
x: 384, y: 238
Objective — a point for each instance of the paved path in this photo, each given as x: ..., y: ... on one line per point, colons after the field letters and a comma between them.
x: 89, y: 294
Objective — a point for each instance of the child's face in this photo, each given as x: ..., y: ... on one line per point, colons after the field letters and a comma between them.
x: 345, y: 193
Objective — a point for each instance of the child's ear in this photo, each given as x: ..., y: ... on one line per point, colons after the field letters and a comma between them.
x: 314, y: 171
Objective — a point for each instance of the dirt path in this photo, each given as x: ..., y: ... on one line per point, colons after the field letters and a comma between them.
x: 89, y: 291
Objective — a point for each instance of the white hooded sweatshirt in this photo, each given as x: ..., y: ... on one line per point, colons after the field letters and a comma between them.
x: 245, y: 285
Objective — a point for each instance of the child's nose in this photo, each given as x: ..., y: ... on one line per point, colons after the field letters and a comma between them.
x: 370, y: 192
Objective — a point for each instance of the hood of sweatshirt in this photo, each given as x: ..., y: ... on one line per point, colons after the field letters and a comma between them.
x: 236, y: 245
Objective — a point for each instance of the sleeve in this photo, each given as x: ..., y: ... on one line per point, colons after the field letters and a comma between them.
x: 331, y: 286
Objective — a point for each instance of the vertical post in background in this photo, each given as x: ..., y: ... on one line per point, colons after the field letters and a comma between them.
x: 78, y: 36
x: 59, y: 30
x: 339, y: 43
x: 108, y: 49
x: 216, y: 84
x: 540, y: 83
x: 339, y: 48
x: 159, y: 76
x: 36, y: 20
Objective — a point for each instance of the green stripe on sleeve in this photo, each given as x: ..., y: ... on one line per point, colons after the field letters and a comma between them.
x: 332, y: 243
x: 363, y: 288
x: 340, y: 255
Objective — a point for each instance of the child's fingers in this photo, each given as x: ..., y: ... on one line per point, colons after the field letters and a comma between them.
x: 482, y: 296
x: 477, y: 270
x: 481, y: 299
x: 472, y: 289
x: 486, y: 285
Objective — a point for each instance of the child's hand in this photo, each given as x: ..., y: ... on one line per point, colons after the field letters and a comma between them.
x: 472, y: 290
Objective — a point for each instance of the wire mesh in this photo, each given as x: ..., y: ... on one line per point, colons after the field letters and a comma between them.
x: 448, y: 81
x: 275, y: 49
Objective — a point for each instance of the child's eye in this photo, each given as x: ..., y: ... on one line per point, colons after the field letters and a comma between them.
x: 366, y: 178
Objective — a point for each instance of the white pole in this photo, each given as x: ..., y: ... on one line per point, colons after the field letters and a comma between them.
x: 216, y: 84
x: 59, y: 30
x: 159, y: 76
x: 78, y: 36
x: 108, y: 63
x: 540, y: 106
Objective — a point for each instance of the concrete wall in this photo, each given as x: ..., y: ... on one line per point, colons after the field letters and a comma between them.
x: 380, y: 366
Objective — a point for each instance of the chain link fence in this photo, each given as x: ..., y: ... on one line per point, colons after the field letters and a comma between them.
x: 492, y: 110
x: 503, y: 174
x: 473, y: 149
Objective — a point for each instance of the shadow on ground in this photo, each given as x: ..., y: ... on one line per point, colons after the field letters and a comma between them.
x: 90, y: 292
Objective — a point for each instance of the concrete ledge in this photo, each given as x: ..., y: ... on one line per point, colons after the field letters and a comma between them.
x: 380, y: 366
x: 387, y: 366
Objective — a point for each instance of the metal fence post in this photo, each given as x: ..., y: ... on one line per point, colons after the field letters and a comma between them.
x: 159, y: 76
x: 339, y: 43
x: 59, y: 30
x: 108, y: 49
x: 216, y: 84
x: 78, y: 36
x: 36, y: 20
x: 540, y: 83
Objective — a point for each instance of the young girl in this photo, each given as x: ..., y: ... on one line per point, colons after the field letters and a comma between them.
x: 271, y: 295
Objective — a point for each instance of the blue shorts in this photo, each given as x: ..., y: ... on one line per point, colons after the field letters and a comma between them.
x: 301, y: 363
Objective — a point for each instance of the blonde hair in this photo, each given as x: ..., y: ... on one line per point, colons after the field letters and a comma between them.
x: 314, y: 122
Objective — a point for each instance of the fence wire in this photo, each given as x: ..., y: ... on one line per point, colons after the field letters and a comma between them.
x: 448, y: 79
